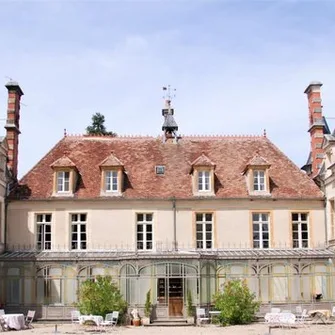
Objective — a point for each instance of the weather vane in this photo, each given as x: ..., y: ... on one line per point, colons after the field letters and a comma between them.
x: 169, y: 93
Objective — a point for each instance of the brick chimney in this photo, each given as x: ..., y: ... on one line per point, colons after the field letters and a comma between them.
x: 13, y: 125
x: 316, y: 127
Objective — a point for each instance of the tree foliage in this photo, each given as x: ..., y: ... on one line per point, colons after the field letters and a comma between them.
x: 100, y: 297
x: 236, y: 303
x: 98, y: 126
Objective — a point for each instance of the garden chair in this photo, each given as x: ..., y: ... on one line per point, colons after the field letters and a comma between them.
x: 111, y: 320
x: 201, y: 316
x: 301, y: 319
x: 3, y: 324
x: 333, y: 313
x: 2, y: 311
x: 29, y: 319
x: 75, y: 317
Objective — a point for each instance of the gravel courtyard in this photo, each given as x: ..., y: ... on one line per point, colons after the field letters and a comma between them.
x: 253, y: 329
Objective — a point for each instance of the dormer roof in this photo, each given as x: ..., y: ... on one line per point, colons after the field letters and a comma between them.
x: 63, y: 162
x: 256, y: 161
x: 202, y: 160
x: 111, y: 161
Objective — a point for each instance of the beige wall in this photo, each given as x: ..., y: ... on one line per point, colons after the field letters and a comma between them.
x: 111, y: 224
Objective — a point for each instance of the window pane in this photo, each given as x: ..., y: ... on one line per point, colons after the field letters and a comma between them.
x: 295, y: 216
x: 256, y: 244
x: 149, y: 217
x: 139, y: 217
x: 83, y: 217
x: 140, y: 227
x: 303, y: 217
x: 208, y: 227
x: 208, y: 217
x: 255, y: 227
x: 199, y: 216
x: 255, y: 217
x: 265, y: 244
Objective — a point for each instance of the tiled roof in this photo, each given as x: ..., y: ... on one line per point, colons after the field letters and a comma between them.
x: 111, y: 160
x: 140, y: 155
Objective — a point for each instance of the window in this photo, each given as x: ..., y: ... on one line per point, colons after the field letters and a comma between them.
x: 259, y: 180
x: 144, y: 231
x: 300, y: 230
x: 43, y: 222
x: 50, y: 286
x: 78, y: 232
x: 204, y: 230
x: 160, y: 169
x: 111, y: 181
x: 203, y: 181
x: 63, y: 181
x: 260, y: 230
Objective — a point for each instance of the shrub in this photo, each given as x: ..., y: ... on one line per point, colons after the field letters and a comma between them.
x: 236, y: 303
x: 147, y: 306
x: 100, y: 297
x: 189, y: 302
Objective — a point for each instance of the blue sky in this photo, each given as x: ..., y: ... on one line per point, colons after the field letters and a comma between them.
x: 238, y: 67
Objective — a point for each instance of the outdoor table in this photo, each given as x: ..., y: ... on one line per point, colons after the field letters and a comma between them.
x: 14, y: 321
x: 280, y: 319
x: 320, y: 315
x: 96, y: 318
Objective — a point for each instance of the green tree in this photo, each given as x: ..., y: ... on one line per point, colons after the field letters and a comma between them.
x: 100, y: 297
x: 98, y: 126
x: 236, y: 303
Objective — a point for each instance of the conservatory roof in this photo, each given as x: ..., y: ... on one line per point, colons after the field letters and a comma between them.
x: 247, y: 254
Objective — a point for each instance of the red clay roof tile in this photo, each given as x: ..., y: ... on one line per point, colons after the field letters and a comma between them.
x: 140, y: 156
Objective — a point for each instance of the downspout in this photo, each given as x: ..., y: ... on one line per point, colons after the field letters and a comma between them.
x: 174, y: 224
x: 325, y: 203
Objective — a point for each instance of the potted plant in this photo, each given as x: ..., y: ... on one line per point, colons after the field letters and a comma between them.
x: 189, y: 308
x: 147, y: 309
x: 136, y: 318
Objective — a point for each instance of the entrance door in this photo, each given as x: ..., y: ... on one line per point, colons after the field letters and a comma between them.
x: 175, y: 297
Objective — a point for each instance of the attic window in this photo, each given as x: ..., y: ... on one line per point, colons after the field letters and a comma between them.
x: 160, y: 169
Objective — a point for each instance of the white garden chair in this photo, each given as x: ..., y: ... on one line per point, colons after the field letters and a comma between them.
x: 201, y: 316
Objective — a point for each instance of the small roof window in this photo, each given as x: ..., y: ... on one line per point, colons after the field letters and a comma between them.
x: 160, y: 169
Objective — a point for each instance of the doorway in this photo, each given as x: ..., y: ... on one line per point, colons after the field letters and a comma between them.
x: 170, y: 291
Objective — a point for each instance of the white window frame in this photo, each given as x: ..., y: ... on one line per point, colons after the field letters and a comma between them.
x: 260, y: 222
x: 111, y: 181
x: 43, y: 231
x: 300, y: 243
x: 201, y: 225
x: 204, y: 181
x: 63, y: 182
x: 144, y: 228
x: 259, y: 180
x: 79, y: 243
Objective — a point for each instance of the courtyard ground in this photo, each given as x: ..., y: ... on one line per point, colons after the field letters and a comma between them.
x: 252, y: 329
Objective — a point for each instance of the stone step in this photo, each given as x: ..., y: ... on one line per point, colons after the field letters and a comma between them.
x: 171, y: 322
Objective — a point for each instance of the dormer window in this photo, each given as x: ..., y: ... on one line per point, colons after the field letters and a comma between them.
x: 65, y: 177
x: 203, y: 176
x: 112, y: 176
x: 204, y: 181
x: 63, y: 181
x: 257, y: 176
x: 111, y: 179
x: 259, y: 180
